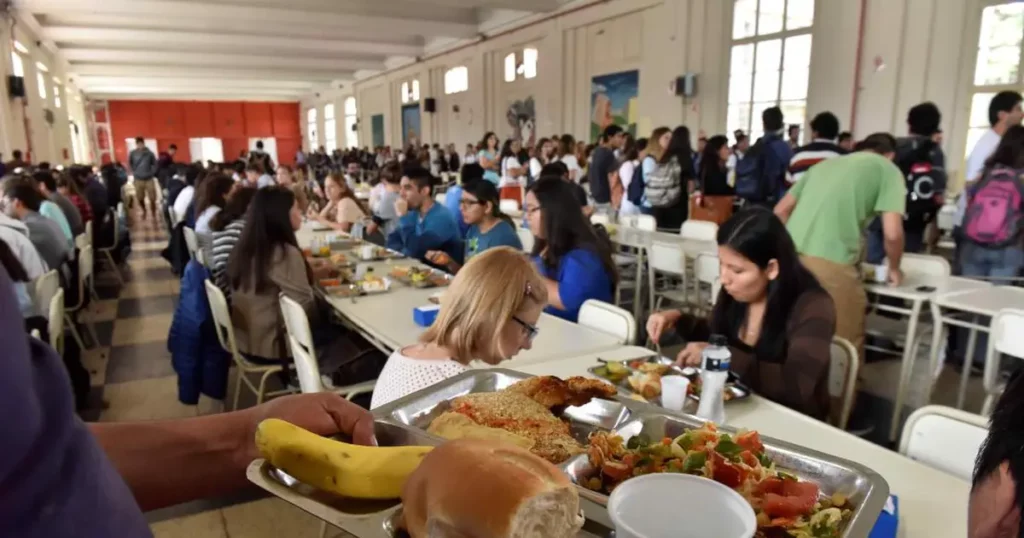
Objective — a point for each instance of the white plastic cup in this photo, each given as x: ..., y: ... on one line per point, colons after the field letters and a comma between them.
x: 882, y: 274
x: 367, y: 252
x: 676, y: 505
x: 673, y: 392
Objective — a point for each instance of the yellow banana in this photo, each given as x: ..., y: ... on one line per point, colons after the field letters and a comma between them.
x: 359, y: 472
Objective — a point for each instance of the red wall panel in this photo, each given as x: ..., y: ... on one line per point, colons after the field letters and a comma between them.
x: 182, y: 155
x: 258, y: 122
x: 199, y: 119
x: 286, y: 149
x: 229, y: 120
x: 233, y: 148
x: 167, y: 119
x: 286, y: 120
x: 129, y: 119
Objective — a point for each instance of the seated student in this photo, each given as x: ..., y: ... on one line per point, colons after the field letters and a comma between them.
x: 292, y: 179
x: 424, y: 224
x: 181, y: 201
x: 453, y: 198
x: 23, y: 202
x: 343, y: 209
x: 574, y: 260
x: 778, y: 320
x: 385, y: 218
x: 266, y: 263
x: 211, y: 199
x: 996, y: 500
x: 69, y: 189
x: 488, y: 226
x: 226, y: 228
x: 257, y: 177
x: 490, y: 313
x: 560, y: 170
x: 48, y: 187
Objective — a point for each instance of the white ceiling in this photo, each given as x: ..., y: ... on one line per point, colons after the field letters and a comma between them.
x: 250, y: 49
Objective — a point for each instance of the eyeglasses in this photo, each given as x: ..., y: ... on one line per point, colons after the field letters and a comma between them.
x: 532, y: 210
x: 467, y: 203
x: 531, y: 330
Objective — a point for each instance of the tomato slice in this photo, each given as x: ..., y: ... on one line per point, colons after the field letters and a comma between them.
x: 769, y: 485
x: 750, y: 459
x: 750, y: 441
x: 806, y: 490
x: 725, y: 472
x: 616, y: 471
x: 789, y: 506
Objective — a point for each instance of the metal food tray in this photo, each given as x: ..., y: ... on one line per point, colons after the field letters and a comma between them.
x: 355, y: 290
x: 404, y: 422
x: 733, y: 385
x: 429, y: 282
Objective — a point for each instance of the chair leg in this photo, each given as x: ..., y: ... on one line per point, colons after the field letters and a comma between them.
x: 323, y: 529
x: 986, y: 408
x: 113, y: 266
x: 92, y: 333
x: 74, y: 332
x: 263, y: 387
x: 238, y: 389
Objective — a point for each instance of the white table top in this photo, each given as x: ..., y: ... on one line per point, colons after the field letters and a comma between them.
x: 634, y: 237
x: 985, y: 301
x: 941, y: 284
x: 932, y: 503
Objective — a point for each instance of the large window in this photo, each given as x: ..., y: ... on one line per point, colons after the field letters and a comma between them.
x: 456, y: 80
x: 999, y: 63
x: 41, y: 71
x: 330, y: 128
x: 521, y: 65
x: 351, y: 119
x: 56, y: 92
x: 314, y: 141
x: 410, y: 92
x: 770, y: 61
x: 17, y: 65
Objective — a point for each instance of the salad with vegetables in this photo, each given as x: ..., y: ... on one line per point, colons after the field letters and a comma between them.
x: 785, y: 506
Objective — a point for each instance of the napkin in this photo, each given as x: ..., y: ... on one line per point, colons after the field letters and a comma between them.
x: 888, y: 520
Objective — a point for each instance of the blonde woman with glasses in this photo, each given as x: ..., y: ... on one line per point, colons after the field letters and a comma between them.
x: 489, y: 313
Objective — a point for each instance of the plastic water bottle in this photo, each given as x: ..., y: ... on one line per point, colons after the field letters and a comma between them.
x: 716, y: 360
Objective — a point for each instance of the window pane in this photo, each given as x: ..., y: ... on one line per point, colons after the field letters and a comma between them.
x: 330, y: 135
x: 18, y: 67
x: 739, y: 117
x: 972, y: 138
x: 744, y: 18
x: 41, y: 83
x: 739, y: 88
x: 997, y: 66
x: 768, y: 55
x: 328, y: 112
x: 766, y: 86
x: 353, y: 136
x: 794, y: 84
x: 530, y: 63
x: 797, y: 52
x: 350, y: 105
x: 311, y: 115
x: 979, y: 109
x: 510, y: 68
x: 415, y: 95
x: 405, y: 92
x: 799, y: 14
x: 794, y: 112
x: 1002, y: 25
x: 742, y: 59
x: 755, y: 117
x: 56, y: 96
x: 769, y: 20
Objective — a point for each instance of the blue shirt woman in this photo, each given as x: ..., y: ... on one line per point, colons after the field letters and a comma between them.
x: 501, y: 234
x: 580, y: 276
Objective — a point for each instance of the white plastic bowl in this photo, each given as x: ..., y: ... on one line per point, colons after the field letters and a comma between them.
x: 674, y: 505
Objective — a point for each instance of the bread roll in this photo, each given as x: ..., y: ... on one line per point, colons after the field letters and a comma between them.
x: 472, y: 488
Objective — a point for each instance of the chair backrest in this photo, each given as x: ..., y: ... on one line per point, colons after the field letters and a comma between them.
x: 944, y: 438
x: 82, y: 239
x: 115, y: 216
x: 925, y: 264
x: 699, y: 230
x: 609, y: 319
x: 667, y: 258
x: 507, y: 206
x: 646, y: 223
x: 191, y: 241
x: 842, y: 377
x: 85, y: 266
x: 222, y: 319
x: 526, y: 238
x: 55, y: 321
x: 201, y: 257
x: 300, y: 339
x: 44, y: 288
x: 600, y: 218
x: 1005, y: 330
x: 88, y: 231
x: 716, y: 288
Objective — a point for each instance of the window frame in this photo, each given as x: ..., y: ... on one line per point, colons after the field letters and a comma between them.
x: 456, y: 80
x: 330, y: 128
x: 311, y: 129
x: 973, y: 132
x: 351, y: 120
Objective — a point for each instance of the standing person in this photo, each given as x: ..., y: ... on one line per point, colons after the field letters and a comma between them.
x: 16, y: 162
x: 545, y: 155
x: 343, y: 209
x: 143, y: 165
x: 826, y: 212
x: 513, y: 173
x: 657, y: 145
x: 739, y: 149
x: 424, y: 225
x: 488, y: 226
x: 262, y: 157
x: 470, y: 156
x: 630, y: 171
x: 574, y: 260
x: 794, y: 137
x: 603, y: 166
x: 567, y: 155
x: 451, y: 159
x: 385, y: 216
x: 671, y: 181
x: 824, y: 130
x: 846, y: 141
x: 48, y: 187
x: 23, y: 202
x: 924, y: 168
x: 489, y: 158
x: 761, y: 173
x: 434, y: 156
x: 165, y: 166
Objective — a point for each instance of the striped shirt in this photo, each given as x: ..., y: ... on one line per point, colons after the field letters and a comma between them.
x: 807, y: 156
x: 224, y: 242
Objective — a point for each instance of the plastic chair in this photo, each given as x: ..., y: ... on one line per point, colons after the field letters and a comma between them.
x: 191, y: 242
x: 608, y: 319
x: 925, y: 264
x: 226, y: 335
x: 107, y: 252
x: 706, y: 271
x: 601, y: 219
x: 1004, y: 338
x: 300, y: 340
x: 526, y: 238
x: 44, y: 288
x: 944, y: 438
x: 699, y: 230
x: 842, y: 379
x: 508, y: 206
x: 85, y: 266
x: 646, y: 223
x: 669, y: 259
x: 55, y: 322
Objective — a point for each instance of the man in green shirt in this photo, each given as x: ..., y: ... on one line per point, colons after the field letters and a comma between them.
x: 826, y: 213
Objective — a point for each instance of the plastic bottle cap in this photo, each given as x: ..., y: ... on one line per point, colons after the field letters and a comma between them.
x: 717, y: 340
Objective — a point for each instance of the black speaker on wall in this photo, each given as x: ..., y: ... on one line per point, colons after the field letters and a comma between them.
x: 16, y: 86
x: 430, y: 105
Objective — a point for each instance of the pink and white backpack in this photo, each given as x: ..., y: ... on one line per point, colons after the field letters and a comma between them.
x: 995, y: 208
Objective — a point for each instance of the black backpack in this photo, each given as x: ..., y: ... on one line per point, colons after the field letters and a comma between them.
x: 635, y: 192
x: 923, y: 179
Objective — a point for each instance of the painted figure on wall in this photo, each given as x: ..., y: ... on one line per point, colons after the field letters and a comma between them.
x: 614, y: 101
x: 522, y: 119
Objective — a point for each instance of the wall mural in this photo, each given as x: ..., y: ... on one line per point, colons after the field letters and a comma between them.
x: 411, y: 125
x: 613, y: 101
x: 522, y: 119
x: 377, y: 128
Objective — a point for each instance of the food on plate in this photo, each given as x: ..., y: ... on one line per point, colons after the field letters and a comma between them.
x: 359, y: 472
x: 647, y: 385
x: 417, y: 274
x: 524, y: 409
x: 473, y: 487
x: 782, y: 502
x: 371, y: 283
x: 649, y: 367
x: 457, y: 426
x: 613, y: 371
x: 339, y: 259
x: 330, y: 282
x: 696, y: 386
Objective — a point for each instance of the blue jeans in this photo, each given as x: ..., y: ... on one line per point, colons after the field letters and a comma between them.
x: 913, y: 241
x: 979, y: 261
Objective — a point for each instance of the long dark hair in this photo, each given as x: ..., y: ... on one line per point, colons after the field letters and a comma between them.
x: 566, y: 228
x: 710, y: 162
x: 539, y: 153
x: 1010, y: 151
x: 566, y: 146
x: 758, y: 235
x: 339, y: 179
x: 485, y: 192
x: 213, y: 192
x: 680, y: 148
x: 234, y: 209
x: 268, y: 227
x: 11, y: 264
x: 630, y: 151
x: 483, y: 142
x: 506, y: 149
